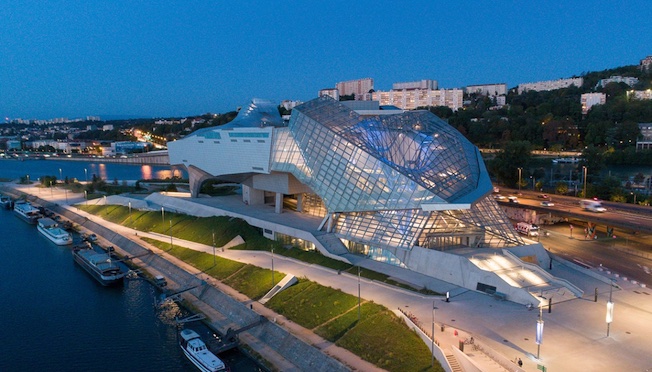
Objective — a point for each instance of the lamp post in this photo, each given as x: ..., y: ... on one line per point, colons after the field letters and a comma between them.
x: 163, y: 214
x: 214, y: 259
x: 359, y: 293
x: 633, y: 193
x: 130, y: 213
x: 610, y: 308
x: 170, y: 231
x: 432, y: 340
x: 539, y: 335
x: 60, y: 175
x: 85, y: 197
x: 86, y: 174
x: 272, y: 267
x: 584, y: 169
x: 66, y: 191
x: 519, y: 180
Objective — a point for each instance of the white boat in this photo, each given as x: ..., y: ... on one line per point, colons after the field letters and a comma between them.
x: 197, y: 352
x: 27, y: 212
x: 51, y: 230
x: 566, y: 160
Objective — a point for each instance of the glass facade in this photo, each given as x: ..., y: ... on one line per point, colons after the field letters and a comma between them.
x: 373, y: 174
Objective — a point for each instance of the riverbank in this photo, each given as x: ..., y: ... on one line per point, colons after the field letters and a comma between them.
x: 283, y: 344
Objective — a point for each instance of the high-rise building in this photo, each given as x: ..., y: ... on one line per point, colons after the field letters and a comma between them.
x: 410, y: 85
x: 631, y: 81
x: 646, y: 63
x: 360, y: 88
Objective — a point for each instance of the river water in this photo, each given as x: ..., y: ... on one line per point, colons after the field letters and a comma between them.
x: 56, y: 317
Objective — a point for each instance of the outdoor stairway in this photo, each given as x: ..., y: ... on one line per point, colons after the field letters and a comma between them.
x: 452, y: 361
x: 332, y: 243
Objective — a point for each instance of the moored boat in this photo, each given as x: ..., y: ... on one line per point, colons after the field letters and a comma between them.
x: 5, y: 202
x: 196, y: 351
x: 99, y: 265
x: 51, y: 230
x: 27, y: 212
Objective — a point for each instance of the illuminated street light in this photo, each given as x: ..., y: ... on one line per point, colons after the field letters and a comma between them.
x: 539, y: 335
x: 60, y: 175
x: 584, y: 169
x: 432, y: 341
x: 610, y: 308
x: 86, y: 174
x: 163, y: 214
x: 519, y: 180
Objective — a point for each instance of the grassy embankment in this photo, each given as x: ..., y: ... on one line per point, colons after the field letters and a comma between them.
x: 379, y: 337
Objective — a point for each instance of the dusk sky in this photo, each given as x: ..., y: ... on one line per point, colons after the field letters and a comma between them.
x: 177, y: 58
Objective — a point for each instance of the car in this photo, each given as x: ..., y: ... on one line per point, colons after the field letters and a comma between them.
x: 547, y: 203
x: 513, y: 199
x: 499, y: 197
x: 543, y: 196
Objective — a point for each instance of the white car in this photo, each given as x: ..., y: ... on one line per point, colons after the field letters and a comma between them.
x: 499, y: 197
x: 547, y: 204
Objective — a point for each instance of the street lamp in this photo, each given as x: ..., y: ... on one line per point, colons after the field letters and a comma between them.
x: 272, y: 267
x: 359, y: 293
x: 86, y: 197
x: 86, y: 174
x: 214, y: 259
x: 519, y: 180
x: 170, y: 231
x: 163, y: 214
x: 610, y: 308
x: 633, y: 193
x: 60, y: 175
x: 432, y: 340
x: 130, y: 213
x: 539, y: 335
x: 584, y: 169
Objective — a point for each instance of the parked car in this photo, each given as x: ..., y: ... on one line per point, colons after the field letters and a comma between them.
x: 499, y: 197
x: 543, y: 196
x: 547, y: 203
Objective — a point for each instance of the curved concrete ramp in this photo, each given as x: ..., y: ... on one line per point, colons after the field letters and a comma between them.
x: 283, y: 284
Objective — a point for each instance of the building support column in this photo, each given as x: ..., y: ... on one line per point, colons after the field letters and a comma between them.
x: 278, y: 205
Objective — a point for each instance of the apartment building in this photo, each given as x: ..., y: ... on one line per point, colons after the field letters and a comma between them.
x: 591, y: 99
x: 550, y: 85
x: 631, y: 81
x: 360, y: 88
x: 490, y: 90
x: 411, y: 99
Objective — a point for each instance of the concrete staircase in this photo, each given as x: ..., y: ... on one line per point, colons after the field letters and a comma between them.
x: 332, y: 244
x: 452, y: 362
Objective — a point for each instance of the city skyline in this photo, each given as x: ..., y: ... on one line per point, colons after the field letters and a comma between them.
x: 153, y: 60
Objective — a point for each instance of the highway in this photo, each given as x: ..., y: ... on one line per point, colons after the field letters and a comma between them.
x: 633, y: 235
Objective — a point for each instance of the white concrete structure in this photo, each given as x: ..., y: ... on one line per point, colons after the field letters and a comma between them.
x: 550, y: 85
x: 646, y: 63
x: 330, y: 92
x: 591, y: 99
x: 640, y: 94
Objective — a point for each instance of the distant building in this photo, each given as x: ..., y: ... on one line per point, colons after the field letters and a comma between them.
x: 550, y: 85
x: 360, y: 88
x: 107, y: 127
x: 644, y: 142
x: 92, y: 118
x: 490, y: 90
x: 631, y: 81
x: 411, y: 99
x: 501, y: 101
x: 591, y: 99
x: 645, y: 63
x: 91, y: 127
x: 640, y: 94
x: 330, y: 92
x: 410, y: 85
x: 289, y: 105
x: 14, y: 145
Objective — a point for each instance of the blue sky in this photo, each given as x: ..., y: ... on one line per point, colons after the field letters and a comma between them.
x: 177, y: 58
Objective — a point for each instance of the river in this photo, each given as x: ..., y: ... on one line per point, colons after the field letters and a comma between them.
x: 56, y: 317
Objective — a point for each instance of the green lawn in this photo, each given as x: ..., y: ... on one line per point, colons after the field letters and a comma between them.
x: 380, y: 337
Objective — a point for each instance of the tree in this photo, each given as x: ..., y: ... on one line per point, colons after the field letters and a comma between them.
x: 561, y: 188
x: 517, y: 154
